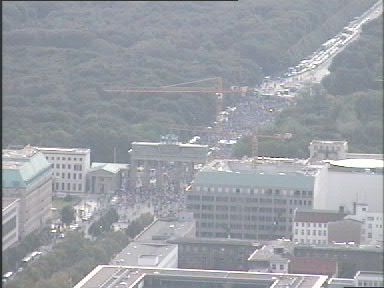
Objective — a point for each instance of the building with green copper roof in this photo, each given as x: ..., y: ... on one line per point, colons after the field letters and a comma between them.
x: 27, y: 175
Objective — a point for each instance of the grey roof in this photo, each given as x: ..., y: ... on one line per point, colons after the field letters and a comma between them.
x: 21, y: 167
x: 111, y: 276
x: 257, y: 180
x: 109, y: 167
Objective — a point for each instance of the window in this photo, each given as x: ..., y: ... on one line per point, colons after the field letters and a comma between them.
x: 62, y: 186
x: 57, y: 165
x: 74, y: 176
x: 57, y: 186
x: 79, y: 186
x: 297, y: 224
x: 274, y: 266
x: 68, y: 186
x: 281, y: 266
x: 74, y: 187
x: 69, y: 166
x: 296, y: 231
x: 314, y: 232
x: 63, y: 166
x: 75, y: 159
x: 63, y: 158
x: 69, y: 176
x: 52, y: 158
x: 308, y: 232
x: 69, y: 158
x: 63, y: 175
x: 369, y: 235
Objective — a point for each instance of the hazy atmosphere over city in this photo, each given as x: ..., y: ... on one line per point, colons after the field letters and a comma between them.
x: 194, y: 144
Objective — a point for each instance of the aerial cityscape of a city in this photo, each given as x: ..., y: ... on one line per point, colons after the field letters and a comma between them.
x: 196, y: 144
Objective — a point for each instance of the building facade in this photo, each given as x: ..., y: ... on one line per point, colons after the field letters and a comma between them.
x: 350, y: 259
x: 372, y: 224
x: 231, y: 198
x: 311, y: 226
x: 105, y: 178
x: 70, y: 167
x: 369, y: 279
x: 214, y: 254
x: 349, y: 181
x: 27, y: 175
x: 10, y: 222
x: 327, y: 150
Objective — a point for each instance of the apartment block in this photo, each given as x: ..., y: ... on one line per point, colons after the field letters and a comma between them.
x: 372, y: 224
x: 70, y: 167
x: 27, y: 176
x: 233, y: 198
x: 311, y: 226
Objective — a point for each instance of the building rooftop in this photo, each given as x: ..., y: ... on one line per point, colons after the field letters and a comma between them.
x: 161, y: 230
x: 311, y: 265
x: 255, y: 179
x: 215, y: 241
x: 20, y: 167
x: 358, y: 163
x: 63, y: 150
x: 135, y: 252
x: 105, y: 276
x: 280, y: 248
x: 370, y: 274
x: 318, y: 216
x: 109, y: 167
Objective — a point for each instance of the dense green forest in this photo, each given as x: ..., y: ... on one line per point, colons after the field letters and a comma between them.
x: 347, y: 105
x: 59, y: 56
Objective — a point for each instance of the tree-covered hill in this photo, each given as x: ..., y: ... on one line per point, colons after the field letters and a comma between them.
x: 59, y: 56
x: 347, y: 106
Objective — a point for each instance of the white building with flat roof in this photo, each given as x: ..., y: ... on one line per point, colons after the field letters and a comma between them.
x: 70, y: 167
x: 352, y: 180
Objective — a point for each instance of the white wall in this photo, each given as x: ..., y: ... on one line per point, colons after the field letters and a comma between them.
x: 344, y: 188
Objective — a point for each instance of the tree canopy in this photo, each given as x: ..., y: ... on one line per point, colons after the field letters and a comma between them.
x: 59, y: 57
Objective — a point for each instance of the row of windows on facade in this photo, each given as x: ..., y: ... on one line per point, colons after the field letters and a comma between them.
x: 234, y: 235
x: 308, y: 241
x: 239, y: 217
x: 254, y: 191
x: 234, y: 217
x: 57, y: 187
x: 248, y: 200
x: 273, y: 266
x: 320, y: 225
x: 64, y: 158
x: 377, y: 226
x: 225, y: 207
x: 314, y: 233
x: 373, y: 218
x: 76, y: 167
x: 241, y: 226
x: 76, y: 176
x: 370, y: 283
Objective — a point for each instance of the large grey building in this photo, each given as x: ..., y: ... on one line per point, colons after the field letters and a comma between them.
x: 233, y: 198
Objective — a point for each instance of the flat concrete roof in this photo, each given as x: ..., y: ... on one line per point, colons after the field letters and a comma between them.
x: 359, y: 163
x: 135, y: 250
x: 63, y: 150
x: 160, y: 227
x: 107, y: 276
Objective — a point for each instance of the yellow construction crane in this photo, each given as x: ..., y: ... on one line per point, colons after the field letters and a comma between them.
x: 252, y: 133
x: 217, y: 89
